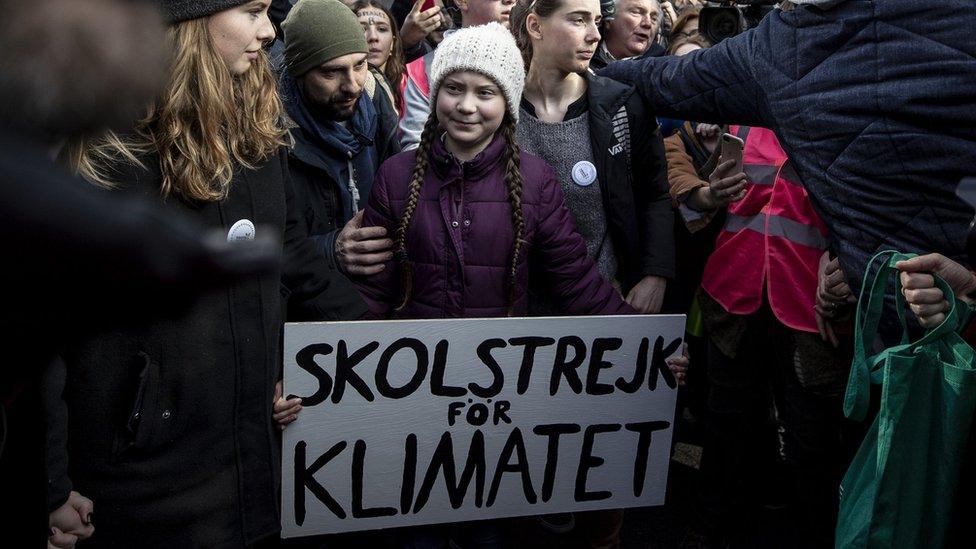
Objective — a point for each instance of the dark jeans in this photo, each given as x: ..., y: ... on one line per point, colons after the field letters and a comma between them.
x: 741, y: 443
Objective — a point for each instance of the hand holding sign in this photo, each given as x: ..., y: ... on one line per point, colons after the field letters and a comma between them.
x: 285, y: 410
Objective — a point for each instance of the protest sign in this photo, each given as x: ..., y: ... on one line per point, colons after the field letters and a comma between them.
x: 435, y: 421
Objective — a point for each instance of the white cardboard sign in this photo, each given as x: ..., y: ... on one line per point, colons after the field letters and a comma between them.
x: 436, y: 421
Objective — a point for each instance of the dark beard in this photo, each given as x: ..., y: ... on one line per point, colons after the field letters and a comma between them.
x: 332, y: 111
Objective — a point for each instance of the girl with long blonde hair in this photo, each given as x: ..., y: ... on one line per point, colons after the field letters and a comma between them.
x: 172, y: 425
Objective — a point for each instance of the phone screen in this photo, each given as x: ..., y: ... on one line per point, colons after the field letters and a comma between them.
x: 427, y: 5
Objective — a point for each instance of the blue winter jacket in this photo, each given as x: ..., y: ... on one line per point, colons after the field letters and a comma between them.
x: 875, y: 102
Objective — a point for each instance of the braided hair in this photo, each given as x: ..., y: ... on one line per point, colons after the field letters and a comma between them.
x: 416, y: 181
x: 513, y: 183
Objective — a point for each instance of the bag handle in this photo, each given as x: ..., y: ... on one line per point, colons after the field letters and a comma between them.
x: 857, y: 396
x: 867, y: 319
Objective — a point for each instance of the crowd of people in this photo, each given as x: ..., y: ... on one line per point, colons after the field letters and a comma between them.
x: 263, y: 161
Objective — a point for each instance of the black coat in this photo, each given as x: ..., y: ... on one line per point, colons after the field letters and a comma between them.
x: 170, y: 429
x: 639, y: 213
x: 78, y: 260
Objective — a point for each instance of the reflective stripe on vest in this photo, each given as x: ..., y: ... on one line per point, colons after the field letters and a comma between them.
x: 760, y: 175
x: 774, y: 225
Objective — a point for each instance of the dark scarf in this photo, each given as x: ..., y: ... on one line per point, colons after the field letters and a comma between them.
x: 338, y: 144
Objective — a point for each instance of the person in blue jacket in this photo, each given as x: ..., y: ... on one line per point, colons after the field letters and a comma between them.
x: 874, y: 101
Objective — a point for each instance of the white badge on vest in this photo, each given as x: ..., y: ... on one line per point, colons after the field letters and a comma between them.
x: 584, y: 173
x: 242, y: 230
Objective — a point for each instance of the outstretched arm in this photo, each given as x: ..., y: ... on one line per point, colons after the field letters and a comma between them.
x: 712, y: 85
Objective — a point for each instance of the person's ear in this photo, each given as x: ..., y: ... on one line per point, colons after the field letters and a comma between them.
x: 462, y: 5
x: 533, y: 26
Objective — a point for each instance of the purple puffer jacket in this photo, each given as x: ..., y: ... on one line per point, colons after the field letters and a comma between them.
x: 461, y: 235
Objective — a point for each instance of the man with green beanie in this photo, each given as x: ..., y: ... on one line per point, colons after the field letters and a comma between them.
x: 341, y: 135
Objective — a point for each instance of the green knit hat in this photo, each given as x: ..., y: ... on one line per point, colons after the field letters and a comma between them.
x: 318, y: 31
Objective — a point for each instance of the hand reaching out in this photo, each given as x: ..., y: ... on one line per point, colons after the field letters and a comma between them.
x: 419, y: 24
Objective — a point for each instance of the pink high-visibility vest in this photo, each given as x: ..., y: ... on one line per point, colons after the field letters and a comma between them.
x: 772, y: 240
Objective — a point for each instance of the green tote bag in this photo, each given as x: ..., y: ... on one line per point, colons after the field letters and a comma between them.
x: 899, y: 489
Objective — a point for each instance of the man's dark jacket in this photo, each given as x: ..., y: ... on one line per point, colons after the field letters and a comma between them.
x: 874, y: 101
x: 318, y: 200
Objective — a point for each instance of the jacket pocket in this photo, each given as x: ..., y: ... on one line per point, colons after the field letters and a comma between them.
x: 140, y: 428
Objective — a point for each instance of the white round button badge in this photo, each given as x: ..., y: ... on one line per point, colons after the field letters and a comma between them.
x: 584, y: 173
x: 242, y: 230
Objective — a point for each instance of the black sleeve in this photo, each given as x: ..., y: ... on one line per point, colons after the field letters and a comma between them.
x: 652, y: 197
x: 56, y: 421
x: 84, y: 259
x: 314, y: 290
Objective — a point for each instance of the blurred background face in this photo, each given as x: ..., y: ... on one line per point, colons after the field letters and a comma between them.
x: 332, y: 89
x: 568, y: 38
x: 481, y: 12
x: 239, y: 34
x: 69, y: 68
x: 379, y: 35
x: 633, y: 28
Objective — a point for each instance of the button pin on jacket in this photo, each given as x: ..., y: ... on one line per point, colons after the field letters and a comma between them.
x: 242, y: 230
x: 584, y: 173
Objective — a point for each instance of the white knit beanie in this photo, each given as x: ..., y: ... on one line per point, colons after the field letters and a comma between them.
x: 486, y: 49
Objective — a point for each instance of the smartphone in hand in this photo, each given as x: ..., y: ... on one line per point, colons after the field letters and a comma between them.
x: 427, y: 5
x: 732, y: 150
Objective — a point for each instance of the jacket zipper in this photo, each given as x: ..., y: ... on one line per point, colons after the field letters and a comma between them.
x: 458, y: 208
x: 353, y: 188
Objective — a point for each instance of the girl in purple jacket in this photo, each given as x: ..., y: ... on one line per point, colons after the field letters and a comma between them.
x: 472, y: 216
